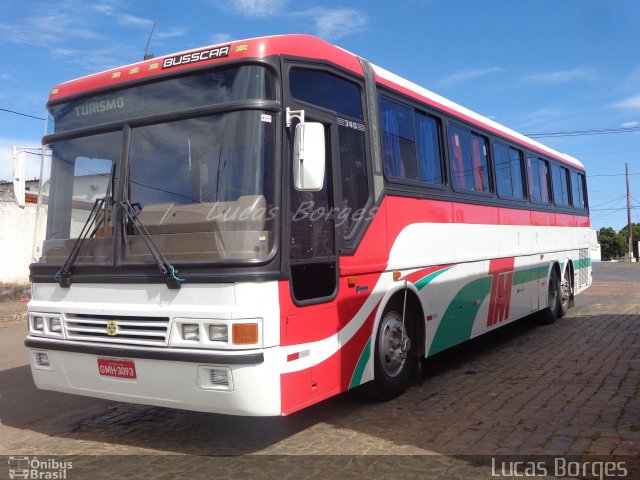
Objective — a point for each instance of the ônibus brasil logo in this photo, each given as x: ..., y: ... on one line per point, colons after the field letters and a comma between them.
x: 35, y: 468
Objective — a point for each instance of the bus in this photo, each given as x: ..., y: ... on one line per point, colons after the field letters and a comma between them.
x: 252, y: 227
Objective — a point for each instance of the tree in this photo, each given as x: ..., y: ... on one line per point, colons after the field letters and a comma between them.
x: 611, y: 243
x: 635, y: 229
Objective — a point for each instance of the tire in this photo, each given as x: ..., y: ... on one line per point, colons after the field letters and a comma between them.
x: 551, y: 313
x: 565, y: 293
x: 394, y: 355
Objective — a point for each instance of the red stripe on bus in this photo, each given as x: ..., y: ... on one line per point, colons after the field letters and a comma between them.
x: 498, y: 265
x: 408, y: 210
x: 423, y: 272
x: 311, y: 323
x: 306, y: 387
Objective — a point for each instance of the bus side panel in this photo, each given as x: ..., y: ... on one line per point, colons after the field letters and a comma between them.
x: 455, y: 296
x: 323, y: 344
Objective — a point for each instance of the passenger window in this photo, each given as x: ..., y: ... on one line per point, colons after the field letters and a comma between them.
x: 578, y: 190
x: 508, y: 171
x: 429, y: 156
x: 398, y: 140
x: 411, y: 144
x: 538, y: 175
x: 560, y: 178
x: 468, y: 160
x: 517, y: 166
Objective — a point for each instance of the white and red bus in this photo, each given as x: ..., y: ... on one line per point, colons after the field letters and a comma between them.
x: 250, y: 228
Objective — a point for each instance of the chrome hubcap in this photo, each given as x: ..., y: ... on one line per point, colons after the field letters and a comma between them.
x: 393, y: 344
x: 565, y: 287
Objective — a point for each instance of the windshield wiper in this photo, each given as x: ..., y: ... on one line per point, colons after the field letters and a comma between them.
x: 63, y: 276
x: 104, y: 204
x: 129, y: 213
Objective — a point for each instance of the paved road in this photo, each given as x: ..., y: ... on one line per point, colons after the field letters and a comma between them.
x: 571, y: 388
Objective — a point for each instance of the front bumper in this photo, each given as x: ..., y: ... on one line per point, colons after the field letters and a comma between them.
x: 166, y: 377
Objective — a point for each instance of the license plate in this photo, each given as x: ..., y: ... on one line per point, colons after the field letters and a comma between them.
x: 108, y: 367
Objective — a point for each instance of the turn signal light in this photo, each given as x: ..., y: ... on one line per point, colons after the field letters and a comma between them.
x: 245, y: 333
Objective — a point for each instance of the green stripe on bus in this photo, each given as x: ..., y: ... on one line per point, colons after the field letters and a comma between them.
x: 362, y: 362
x: 420, y: 284
x: 582, y: 263
x: 530, y: 274
x: 457, y: 322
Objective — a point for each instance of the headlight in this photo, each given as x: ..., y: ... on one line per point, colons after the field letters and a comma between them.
x: 191, y: 332
x: 218, y: 333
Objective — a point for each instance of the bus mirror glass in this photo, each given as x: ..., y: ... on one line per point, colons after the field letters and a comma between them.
x: 19, y: 156
x: 309, y: 157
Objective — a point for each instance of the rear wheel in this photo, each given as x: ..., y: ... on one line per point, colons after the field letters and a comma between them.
x: 394, y: 355
x: 565, y: 292
x: 551, y: 313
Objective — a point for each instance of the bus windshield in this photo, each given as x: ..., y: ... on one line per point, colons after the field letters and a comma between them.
x: 203, y: 187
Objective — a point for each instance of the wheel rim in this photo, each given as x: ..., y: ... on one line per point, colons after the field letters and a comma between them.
x: 393, y: 344
x: 565, y: 288
x: 553, y: 292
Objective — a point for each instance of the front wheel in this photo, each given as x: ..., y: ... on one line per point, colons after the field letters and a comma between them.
x: 394, y: 356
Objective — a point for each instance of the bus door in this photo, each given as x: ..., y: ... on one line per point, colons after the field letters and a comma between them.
x: 313, y: 263
x: 325, y: 224
x: 311, y: 314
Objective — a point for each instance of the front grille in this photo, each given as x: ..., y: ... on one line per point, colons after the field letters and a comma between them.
x: 133, y: 330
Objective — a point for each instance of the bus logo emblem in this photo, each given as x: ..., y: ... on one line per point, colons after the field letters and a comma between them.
x: 112, y: 328
x: 501, y: 273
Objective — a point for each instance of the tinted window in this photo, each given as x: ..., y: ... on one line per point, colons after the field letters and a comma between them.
x: 560, y: 177
x: 411, y: 145
x: 353, y: 175
x: 517, y: 166
x: 334, y: 93
x: 191, y: 91
x: 469, y: 160
x: 428, y: 143
x: 578, y: 190
x: 508, y: 171
x: 538, y: 176
x: 398, y: 139
x: 327, y: 91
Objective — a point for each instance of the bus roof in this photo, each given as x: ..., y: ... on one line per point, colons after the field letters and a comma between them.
x: 294, y: 45
x: 261, y: 47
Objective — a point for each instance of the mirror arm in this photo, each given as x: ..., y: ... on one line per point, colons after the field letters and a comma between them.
x: 291, y: 114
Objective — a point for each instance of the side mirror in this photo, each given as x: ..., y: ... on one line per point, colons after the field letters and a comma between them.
x: 309, y: 157
x: 19, y: 155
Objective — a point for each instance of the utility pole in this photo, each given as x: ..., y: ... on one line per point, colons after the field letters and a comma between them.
x: 629, y: 217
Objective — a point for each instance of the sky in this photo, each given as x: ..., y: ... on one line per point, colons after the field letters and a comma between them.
x: 536, y: 66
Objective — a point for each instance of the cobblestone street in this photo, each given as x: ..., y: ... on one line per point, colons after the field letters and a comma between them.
x: 570, y: 388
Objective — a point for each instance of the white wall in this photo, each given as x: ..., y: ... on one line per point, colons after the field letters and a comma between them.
x: 16, y: 240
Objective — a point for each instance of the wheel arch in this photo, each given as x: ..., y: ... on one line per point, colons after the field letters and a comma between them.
x: 414, y: 304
